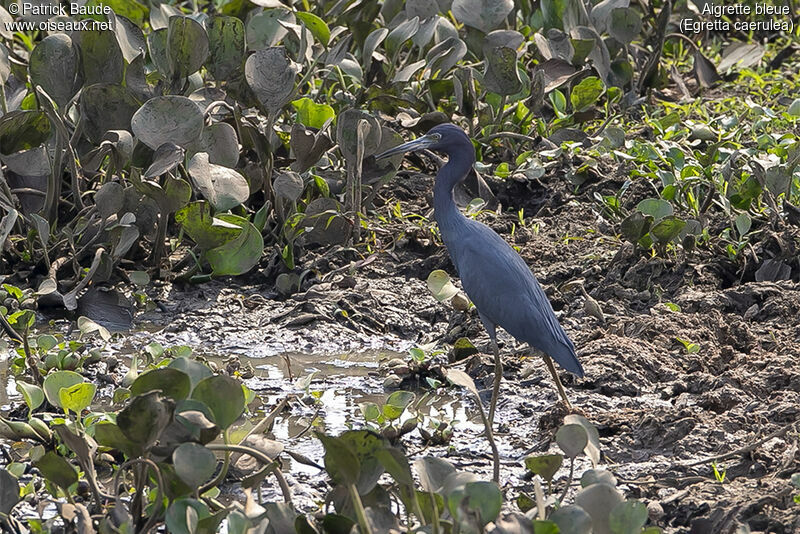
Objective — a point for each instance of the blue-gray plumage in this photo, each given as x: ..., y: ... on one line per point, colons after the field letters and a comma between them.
x: 496, y: 279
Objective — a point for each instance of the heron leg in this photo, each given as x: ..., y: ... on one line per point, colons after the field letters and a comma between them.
x: 491, y: 329
x: 498, y: 376
x: 559, y: 385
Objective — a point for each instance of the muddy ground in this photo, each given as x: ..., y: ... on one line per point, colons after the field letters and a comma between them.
x: 663, y: 412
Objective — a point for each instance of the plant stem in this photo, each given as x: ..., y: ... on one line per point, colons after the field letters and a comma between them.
x: 267, y: 421
x: 435, y: 513
x: 37, y: 376
x: 223, y: 472
x: 361, y: 514
x: 418, y: 508
x: 498, y: 117
x: 539, y: 493
x: 569, y: 480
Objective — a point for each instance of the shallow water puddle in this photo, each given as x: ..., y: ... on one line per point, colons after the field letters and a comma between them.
x: 340, y: 384
x: 8, y: 386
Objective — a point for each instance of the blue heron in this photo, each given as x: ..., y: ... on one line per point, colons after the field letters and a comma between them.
x: 496, y: 279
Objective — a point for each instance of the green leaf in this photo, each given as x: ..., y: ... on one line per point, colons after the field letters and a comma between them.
x: 23, y: 130
x: 226, y: 46
x: 340, y: 462
x: 559, y: 102
x: 400, y: 34
x: 172, y: 383
x: 143, y: 420
x: 440, y: 285
x: 628, y: 517
x: 592, y: 449
x: 667, y: 229
x: 32, y: 394
x: 598, y: 500
x: 396, y: 464
x: 546, y: 465
x: 22, y: 319
x: 139, y: 278
x: 397, y: 403
x: 370, y: 411
x: 170, y: 118
x: 691, y: 348
x: 54, y: 382
x: 224, y: 188
x: 572, y: 519
x: 364, y: 446
x: 78, y: 397
x: 502, y: 76
x: 9, y: 492
x: 433, y: 472
x: 597, y: 476
x: 502, y: 170
x: 625, y: 24
x: 224, y: 397
x: 157, y: 44
x: 195, y: 370
x: 655, y: 207
x: 57, y: 470
x: 130, y: 9
x: 463, y: 348
x: 743, y: 223
x: 53, y: 65
x: 548, y: 527
x: 106, y: 107
x: 264, y: 29
x: 101, y: 57
x: 207, y: 230
x: 312, y: 114
x: 485, y: 498
x: 271, y: 74
x: 316, y: 26
x: 87, y: 326
x: 110, y: 435
x: 187, y: 46
x: 288, y: 185
x: 184, y: 514
x: 483, y: 15
x: 337, y: 523
x: 586, y: 93
x: 220, y: 142
x: 194, y: 464
x: 794, y: 108
x: 196, y: 418
x: 239, y: 255
x: 572, y: 439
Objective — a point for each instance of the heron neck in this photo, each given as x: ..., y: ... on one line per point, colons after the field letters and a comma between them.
x: 445, y: 210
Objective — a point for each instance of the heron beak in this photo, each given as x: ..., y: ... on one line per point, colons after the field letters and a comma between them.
x: 417, y: 144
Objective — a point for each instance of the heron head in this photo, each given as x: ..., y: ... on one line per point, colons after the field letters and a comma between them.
x: 447, y: 138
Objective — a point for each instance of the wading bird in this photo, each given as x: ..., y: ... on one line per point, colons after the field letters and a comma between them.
x: 496, y: 279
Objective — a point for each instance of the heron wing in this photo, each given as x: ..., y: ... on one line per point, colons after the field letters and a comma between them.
x: 505, y: 291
